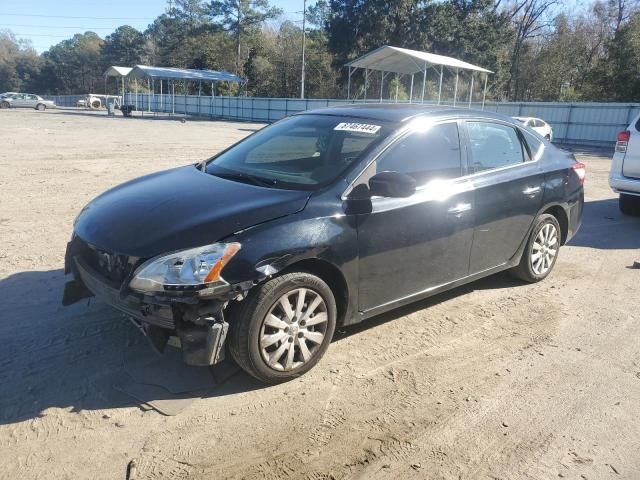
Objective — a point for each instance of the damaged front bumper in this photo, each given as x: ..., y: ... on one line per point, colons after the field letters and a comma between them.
x: 198, y: 322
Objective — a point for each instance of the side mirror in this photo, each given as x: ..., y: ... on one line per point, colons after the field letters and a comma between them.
x: 392, y: 184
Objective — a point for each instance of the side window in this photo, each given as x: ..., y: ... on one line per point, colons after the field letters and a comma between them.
x: 493, y: 145
x: 433, y: 154
x: 31, y: 97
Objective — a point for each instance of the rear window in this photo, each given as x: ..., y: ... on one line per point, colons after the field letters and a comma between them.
x: 535, y: 144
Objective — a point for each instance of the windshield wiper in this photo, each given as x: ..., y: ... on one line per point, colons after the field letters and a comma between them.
x: 246, y: 178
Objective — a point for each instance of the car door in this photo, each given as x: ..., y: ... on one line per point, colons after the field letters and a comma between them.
x: 508, y: 189
x: 409, y: 245
x: 18, y: 100
x: 30, y: 101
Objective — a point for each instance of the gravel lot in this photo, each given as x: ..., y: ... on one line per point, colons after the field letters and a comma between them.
x: 495, y: 380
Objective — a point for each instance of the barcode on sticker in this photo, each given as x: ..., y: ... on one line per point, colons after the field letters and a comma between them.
x: 358, y: 127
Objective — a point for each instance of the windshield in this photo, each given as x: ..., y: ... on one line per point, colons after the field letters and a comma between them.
x: 301, y: 152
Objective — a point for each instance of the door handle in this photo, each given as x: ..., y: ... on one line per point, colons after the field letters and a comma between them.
x: 531, y: 190
x: 459, y: 209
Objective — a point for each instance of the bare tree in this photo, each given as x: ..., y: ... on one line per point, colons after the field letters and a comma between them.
x: 530, y: 19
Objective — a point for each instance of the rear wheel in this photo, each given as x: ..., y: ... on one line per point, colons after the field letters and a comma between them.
x: 40, y: 107
x: 283, y: 328
x: 629, y: 204
x: 4, y: 105
x: 541, y: 252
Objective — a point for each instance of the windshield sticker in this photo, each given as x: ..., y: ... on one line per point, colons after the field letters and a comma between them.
x: 358, y: 127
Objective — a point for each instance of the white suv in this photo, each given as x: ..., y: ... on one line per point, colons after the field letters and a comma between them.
x: 624, y: 176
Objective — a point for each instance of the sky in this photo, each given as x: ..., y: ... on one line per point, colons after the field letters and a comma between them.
x: 47, y: 22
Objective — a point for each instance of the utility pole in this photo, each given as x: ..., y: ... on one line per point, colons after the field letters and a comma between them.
x: 239, y: 25
x: 304, y: 38
x: 170, y: 11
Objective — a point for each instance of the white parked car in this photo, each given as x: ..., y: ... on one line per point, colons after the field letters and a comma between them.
x: 624, y: 177
x: 537, y: 124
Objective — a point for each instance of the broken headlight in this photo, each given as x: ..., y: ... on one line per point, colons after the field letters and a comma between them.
x: 190, y: 269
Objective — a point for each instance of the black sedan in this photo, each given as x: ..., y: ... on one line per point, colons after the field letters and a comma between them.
x: 325, y: 218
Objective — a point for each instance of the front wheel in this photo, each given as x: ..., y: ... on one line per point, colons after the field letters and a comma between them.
x: 629, y: 204
x: 541, y: 252
x: 283, y: 327
x: 5, y: 105
x: 40, y: 107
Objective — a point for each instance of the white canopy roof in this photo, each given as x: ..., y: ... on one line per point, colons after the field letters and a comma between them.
x: 405, y: 61
x: 117, y: 71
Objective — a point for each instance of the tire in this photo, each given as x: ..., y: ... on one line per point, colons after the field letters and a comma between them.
x: 548, y: 137
x: 41, y: 107
x: 545, y: 233
x: 629, y: 204
x: 5, y: 105
x: 252, y: 326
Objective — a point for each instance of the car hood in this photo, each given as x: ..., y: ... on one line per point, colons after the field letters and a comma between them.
x: 177, y: 209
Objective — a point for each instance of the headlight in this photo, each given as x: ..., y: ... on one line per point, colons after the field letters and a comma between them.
x: 185, y: 270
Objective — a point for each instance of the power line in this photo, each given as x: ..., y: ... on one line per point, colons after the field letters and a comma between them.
x: 54, y: 26
x: 68, y: 16
x: 41, y: 35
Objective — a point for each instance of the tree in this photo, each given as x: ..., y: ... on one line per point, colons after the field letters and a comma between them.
x: 125, y: 46
x: 75, y: 65
x: 529, y: 19
x: 619, y: 74
x: 19, y: 63
x: 239, y: 16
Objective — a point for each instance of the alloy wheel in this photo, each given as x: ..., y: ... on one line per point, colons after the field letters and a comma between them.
x: 294, y: 329
x: 544, y: 249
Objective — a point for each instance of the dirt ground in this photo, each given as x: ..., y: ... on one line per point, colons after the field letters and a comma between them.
x: 495, y: 380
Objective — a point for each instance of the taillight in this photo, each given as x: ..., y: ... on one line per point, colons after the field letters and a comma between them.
x: 623, y: 141
x: 580, y: 170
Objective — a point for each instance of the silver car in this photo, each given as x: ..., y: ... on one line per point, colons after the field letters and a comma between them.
x: 26, y: 100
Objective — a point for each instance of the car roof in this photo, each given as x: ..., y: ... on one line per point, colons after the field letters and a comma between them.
x: 403, y: 112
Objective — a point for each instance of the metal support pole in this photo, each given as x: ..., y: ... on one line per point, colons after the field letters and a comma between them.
x: 304, y: 38
x: 366, y: 82
x: 381, y: 84
x: 161, y: 97
x: 424, y: 82
x: 155, y: 99
x: 471, y: 91
x: 149, y: 94
x: 411, y: 89
x: 484, y: 92
x: 397, y: 86
x: 173, y: 97
x: 455, y: 90
x: 349, y: 84
x: 185, y: 97
x: 440, y: 88
x: 135, y: 86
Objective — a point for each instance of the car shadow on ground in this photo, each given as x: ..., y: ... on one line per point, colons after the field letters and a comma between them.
x: 74, y: 357
x: 605, y: 227
x: 70, y: 357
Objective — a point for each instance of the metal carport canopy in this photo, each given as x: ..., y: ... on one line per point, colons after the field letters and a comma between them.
x: 408, y: 62
x: 169, y: 73
x: 117, y: 71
